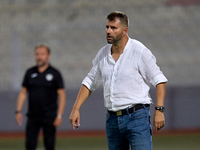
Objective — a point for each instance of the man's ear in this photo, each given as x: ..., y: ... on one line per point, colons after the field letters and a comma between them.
x: 125, y: 31
x: 49, y: 56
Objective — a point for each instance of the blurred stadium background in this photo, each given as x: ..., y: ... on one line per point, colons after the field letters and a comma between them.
x: 75, y: 31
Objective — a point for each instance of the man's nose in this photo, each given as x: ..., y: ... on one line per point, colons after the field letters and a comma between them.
x: 108, y: 31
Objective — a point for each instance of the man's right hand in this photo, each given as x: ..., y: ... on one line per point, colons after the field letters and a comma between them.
x: 19, y: 119
x: 75, y: 119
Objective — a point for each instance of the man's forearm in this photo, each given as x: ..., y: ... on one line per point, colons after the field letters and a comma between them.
x: 83, y: 94
x: 61, y: 101
x: 74, y: 118
x: 160, y: 94
x: 20, y: 102
x: 21, y: 99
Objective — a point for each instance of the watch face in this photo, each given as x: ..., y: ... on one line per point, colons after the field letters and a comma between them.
x: 162, y: 109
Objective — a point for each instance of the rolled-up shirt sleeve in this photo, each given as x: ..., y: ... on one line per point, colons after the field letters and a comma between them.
x: 149, y: 69
x: 93, y: 79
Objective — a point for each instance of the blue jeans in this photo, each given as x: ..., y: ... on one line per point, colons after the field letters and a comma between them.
x: 132, y: 130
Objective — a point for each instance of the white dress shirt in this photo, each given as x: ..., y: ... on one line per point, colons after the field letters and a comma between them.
x: 127, y: 81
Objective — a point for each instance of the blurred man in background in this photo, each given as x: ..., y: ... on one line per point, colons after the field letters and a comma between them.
x: 44, y: 85
x: 127, y: 69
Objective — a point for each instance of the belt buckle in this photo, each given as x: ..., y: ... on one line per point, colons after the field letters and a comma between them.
x: 119, y: 113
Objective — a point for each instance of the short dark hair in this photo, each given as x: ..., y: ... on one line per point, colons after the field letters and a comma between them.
x: 120, y: 15
x: 43, y: 45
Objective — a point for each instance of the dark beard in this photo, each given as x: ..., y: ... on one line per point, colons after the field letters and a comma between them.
x: 42, y: 64
x: 116, y: 39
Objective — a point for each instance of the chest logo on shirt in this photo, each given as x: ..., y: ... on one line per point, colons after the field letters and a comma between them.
x: 34, y: 75
x: 49, y: 77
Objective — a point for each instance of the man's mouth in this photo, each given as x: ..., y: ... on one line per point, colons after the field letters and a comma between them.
x: 38, y: 61
x: 109, y: 37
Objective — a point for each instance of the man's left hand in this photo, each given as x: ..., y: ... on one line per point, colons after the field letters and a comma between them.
x: 57, y: 122
x: 159, y: 120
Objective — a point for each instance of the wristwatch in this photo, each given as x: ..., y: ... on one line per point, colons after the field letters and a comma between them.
x: 59, y: 116
x: 160, y: 108
x: 17, y: 112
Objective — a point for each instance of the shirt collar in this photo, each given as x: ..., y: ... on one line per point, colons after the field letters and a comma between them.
x: 125, y: 48
x: 44, y: 70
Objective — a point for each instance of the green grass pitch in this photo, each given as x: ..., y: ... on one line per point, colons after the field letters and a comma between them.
x: 175, y: 142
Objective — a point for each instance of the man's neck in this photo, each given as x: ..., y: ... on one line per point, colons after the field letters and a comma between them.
x: 118, y: 48
x: 43, y: 68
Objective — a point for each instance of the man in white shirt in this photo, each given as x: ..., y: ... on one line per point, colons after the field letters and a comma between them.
x: 126, y: 68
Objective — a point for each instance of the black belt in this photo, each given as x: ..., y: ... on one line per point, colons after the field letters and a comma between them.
x: 130, y: 110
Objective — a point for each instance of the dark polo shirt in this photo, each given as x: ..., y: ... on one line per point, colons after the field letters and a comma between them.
x: 42, y: 89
